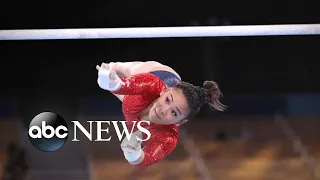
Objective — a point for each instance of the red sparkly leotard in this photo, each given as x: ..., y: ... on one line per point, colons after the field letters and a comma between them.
x: 140, y: 91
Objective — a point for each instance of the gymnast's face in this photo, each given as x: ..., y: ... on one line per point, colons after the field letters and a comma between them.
x: 170, y: 108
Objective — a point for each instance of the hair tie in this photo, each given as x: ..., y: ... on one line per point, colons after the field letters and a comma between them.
x: 201, y: 95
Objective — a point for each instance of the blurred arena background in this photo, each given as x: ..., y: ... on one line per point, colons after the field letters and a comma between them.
x: 270, y: 84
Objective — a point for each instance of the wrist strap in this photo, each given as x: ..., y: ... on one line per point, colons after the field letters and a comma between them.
x: 134, y: 156
x: 117, y: 85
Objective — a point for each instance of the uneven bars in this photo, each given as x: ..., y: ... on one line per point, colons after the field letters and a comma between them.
x: 162, y: 32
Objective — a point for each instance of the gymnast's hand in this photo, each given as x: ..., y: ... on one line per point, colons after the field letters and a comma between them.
x: 107, y: 78
x: 132, y: 148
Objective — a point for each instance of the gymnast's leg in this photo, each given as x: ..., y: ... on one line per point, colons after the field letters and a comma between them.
x: 137, y: 67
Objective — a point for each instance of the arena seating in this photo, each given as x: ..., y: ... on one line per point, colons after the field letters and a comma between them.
x: 252, y: 149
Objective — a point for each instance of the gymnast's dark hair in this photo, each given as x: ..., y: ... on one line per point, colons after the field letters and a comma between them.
x: 196, y: 96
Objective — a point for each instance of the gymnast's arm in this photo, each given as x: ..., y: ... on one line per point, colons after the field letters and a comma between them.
x: 160, y: 144
x: 124, y: 69
x: 139, y: 84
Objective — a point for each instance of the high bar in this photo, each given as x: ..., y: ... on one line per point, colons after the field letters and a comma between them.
x: 161, y: 32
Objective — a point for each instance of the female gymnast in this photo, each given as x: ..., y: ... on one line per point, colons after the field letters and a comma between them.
x: 160, y: 97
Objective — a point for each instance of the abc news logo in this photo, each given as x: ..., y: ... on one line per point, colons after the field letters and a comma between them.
x: 49, y: 132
